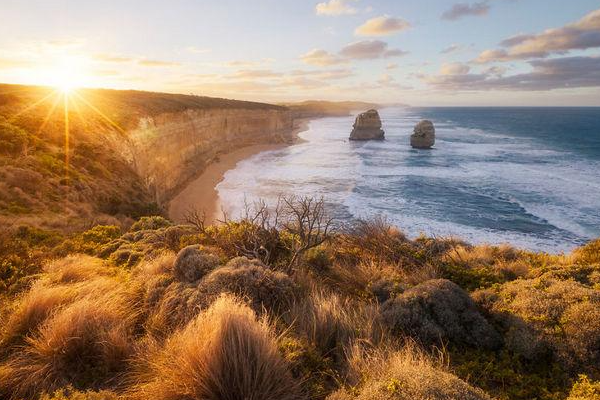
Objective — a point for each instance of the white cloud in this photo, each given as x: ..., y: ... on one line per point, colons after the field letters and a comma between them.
x: 321, y: 58
x: 335, y: 7
x: 382, y: 26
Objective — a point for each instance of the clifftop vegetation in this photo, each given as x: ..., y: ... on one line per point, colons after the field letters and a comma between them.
x: 101, y: 297
x: 284, y: 303
x: 66, y: 181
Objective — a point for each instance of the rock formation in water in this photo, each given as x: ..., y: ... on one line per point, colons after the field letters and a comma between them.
x: 367, y: 127
x: 423, y: 136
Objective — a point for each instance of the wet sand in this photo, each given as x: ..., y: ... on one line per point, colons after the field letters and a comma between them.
x: 201, y: 196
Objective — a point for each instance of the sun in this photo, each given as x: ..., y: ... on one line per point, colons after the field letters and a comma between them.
x: 66, y: 75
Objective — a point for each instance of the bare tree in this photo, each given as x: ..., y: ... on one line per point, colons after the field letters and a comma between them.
x: 196, y: 219
x: 305, y: 218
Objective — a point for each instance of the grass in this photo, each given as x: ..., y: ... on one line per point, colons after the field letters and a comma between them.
x: 168, y: 311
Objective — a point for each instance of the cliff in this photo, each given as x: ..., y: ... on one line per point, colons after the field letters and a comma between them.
x: 127, y: 154
x: 320, y: 108
x: 170, y: 149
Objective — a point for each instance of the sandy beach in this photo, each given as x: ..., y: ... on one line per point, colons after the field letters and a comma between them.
x: 201, y: 196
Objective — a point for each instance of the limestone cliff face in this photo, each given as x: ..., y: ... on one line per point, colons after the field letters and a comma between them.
x: 170, y: 149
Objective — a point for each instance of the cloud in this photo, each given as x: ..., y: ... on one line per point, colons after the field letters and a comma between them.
x: 382, y: 26
x: 335, y: 7
x: 454, y: 69
x: 461, y: 10
x: 158, y: 63
x: 369, y: 49
x: 321, y: 58
x: 340, y: 73
x: 579, y: 35
x: 391, y: 66
x: 451, y: 49
x: 557, y: 73
x: 255, y: 74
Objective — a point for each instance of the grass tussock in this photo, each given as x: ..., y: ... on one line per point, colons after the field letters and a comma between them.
x: 225, y: 353
x: 85, y: 344
x: 405, y: 374
x: 181, y: 312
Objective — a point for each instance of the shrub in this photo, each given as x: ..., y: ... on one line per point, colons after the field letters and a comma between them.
x: 506, y: 375
x: 588, y: 254
x: 437, y: 311
x: 585, y: 389
x: 192, y: 264
x: 72, y: 394
x: 560, y: 316
x: 263, y: 287
x: 85, y: 344
x: 405, y: 375
x: 92, y: 240
x: 150, y: 223
x: 13, y: 140
x: 225, y: 353
x: 309, y: 366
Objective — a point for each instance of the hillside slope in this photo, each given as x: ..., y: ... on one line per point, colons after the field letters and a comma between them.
x: 126, y: 152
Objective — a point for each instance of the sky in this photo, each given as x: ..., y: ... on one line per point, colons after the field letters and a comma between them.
x: 422, y: 53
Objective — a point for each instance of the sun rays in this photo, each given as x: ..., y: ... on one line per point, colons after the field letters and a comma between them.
x: 68, y: 106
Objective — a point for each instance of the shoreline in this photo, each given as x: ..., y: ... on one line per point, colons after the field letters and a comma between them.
x: 201, y: 195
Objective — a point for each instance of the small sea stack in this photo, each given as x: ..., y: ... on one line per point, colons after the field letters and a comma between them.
x: 423, y: 136
x: 367, y: 127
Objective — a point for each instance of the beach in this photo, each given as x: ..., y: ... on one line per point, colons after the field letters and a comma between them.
x: 202, y: 197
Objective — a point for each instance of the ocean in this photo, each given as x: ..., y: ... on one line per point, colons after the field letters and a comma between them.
x: 525, y: 176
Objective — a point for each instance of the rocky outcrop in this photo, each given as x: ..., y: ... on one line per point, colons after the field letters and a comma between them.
x: 367, y: 127
x: 423, y: 136
x: 170, y: 149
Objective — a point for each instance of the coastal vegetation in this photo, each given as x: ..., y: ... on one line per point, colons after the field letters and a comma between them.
x: 102, y: 296
x: 285, y: 303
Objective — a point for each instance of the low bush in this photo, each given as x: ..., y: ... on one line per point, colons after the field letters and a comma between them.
x: 407, y: 374
x: 265, y: 289
x: 192, y: 264
x: 543, y: 314
x: 437, y: 311
x: 150, y: 223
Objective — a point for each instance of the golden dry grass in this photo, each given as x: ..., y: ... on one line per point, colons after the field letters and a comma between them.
x: 225, y: 353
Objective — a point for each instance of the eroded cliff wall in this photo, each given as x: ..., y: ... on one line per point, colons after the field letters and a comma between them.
x: 170, y: 149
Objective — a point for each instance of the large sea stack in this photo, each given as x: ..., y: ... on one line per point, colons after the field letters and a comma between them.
x: 367, y: 127
x: 423, y: 136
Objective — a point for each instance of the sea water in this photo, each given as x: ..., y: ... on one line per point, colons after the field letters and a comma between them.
x: 525, y: 176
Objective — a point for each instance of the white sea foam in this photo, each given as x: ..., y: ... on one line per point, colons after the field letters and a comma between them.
x: 530, y: 195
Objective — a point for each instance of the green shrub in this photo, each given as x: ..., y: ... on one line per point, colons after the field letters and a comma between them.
x: 69, y: 393
x: 585, y: 389
x: 507, y: 375
x: 13, y: 140
x: 150, y: 223
x: 588, y: 254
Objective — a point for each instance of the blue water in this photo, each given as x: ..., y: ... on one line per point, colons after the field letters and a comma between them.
x: 526, y: 176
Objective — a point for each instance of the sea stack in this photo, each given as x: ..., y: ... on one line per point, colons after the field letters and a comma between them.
x: 423, y: 136
x: 367, y: 127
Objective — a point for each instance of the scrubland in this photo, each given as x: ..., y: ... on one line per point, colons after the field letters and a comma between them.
x: 285, y: 304
x: 102, y: 298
